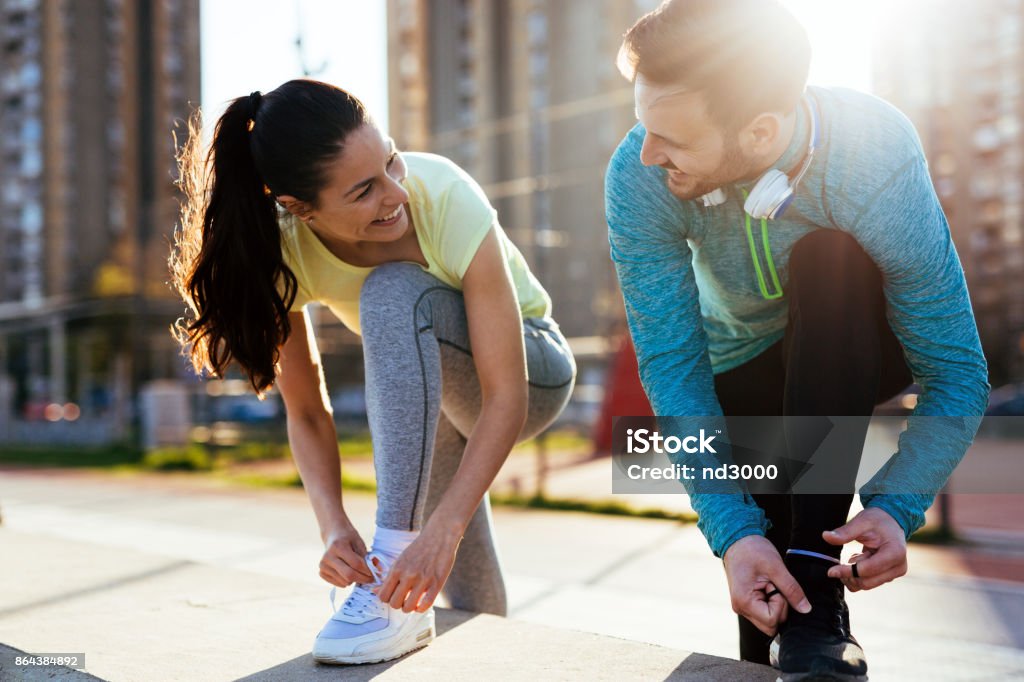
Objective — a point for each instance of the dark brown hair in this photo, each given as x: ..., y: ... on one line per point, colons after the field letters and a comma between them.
x: 746, y: 56
x: 226, y: 262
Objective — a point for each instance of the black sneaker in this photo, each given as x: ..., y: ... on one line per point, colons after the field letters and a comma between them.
x: 818, y: 645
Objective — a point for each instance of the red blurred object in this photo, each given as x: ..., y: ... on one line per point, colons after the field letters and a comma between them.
x: 623, y: 395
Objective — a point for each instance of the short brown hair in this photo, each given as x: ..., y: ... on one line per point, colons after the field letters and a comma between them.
x: 745, y: 56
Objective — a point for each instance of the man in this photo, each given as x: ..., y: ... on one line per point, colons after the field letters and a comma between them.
x: 822, y: 288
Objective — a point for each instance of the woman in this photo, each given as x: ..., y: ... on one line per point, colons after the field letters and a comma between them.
x: 462, y: 357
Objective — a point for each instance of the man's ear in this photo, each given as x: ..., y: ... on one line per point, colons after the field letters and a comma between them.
x: 760, y: 135
x: 298, y: 208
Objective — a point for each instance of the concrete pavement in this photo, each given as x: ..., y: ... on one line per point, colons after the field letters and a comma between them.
x: 178, y: 578
x: 182, y: 578
x: 140, y: 616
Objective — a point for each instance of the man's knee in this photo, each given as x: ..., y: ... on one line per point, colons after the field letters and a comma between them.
x: 831, y: 266
x: 831, y: 252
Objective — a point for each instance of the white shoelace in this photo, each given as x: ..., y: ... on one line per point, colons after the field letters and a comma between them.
x: 362, y: 600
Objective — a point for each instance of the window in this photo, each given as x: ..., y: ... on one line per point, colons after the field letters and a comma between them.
x: 31, y: 163
x: 31, y: 131
x: 31, y: 75
x: 32, y: 218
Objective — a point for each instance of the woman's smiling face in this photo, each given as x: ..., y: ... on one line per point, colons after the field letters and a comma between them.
x: 363, y: 199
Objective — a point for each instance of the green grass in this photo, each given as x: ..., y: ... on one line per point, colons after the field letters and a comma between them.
x: 251, y: 451
x: 71, y: 456
x: 608, y: 508
x: 293, y: 480
x: 358, y: 483
x: 204, y: 457
x: 263, y: 481
x: 558, y: 440
x: 355, y: 445
x: 190, y: 458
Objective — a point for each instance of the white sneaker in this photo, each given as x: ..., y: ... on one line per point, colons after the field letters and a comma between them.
x: 366, y: 630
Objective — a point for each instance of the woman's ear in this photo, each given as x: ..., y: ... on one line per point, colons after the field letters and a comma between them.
x: 300, y: 209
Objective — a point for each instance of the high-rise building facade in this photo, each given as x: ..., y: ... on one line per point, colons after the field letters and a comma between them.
x: 90, y: 93
x: 525, y: 95
x: 957, y: 70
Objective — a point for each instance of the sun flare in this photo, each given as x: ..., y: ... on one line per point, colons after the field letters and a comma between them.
x: 841, y: 35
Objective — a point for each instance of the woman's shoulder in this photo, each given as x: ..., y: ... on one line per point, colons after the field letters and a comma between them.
x: 434, y: 170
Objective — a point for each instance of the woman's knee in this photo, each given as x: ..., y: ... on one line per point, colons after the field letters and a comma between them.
x: 552, y: 374
x: 389, y: 280
x: 392, y: 290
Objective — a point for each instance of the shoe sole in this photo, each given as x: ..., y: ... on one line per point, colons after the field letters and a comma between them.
x: 414, y: 641
x: 773, y: 660
x: 820, y: 677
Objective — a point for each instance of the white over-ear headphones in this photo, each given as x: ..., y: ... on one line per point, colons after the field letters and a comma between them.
x: 774, y: 191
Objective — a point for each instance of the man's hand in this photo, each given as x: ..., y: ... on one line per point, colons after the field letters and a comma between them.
x: 884, y: 555
x: 755, y: 570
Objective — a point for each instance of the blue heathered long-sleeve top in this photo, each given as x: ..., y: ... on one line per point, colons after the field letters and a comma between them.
x: 695, y: 309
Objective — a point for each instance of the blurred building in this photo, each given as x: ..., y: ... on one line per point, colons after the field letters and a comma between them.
x: 90, y: 92
x: 525, y: 95
x: 957, y: 70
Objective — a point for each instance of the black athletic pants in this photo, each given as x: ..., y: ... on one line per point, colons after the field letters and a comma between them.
x: 838, y: 357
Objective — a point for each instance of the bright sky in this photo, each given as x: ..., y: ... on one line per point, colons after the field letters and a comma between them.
x: 840, y: 32
x: 250, y: 45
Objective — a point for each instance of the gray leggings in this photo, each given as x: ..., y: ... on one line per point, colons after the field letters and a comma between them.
x: 422, y: 400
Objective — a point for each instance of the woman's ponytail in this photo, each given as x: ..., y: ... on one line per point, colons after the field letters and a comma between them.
x: 227, y: 262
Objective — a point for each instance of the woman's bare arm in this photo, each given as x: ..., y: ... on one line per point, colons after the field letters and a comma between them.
x: 314, y: 445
